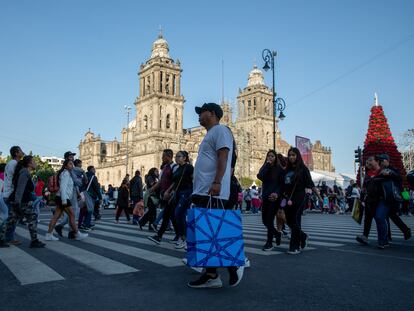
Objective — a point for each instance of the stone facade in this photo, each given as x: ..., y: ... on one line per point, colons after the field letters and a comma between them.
x: 158, y: 125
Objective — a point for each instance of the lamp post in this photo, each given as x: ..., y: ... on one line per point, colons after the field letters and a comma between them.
x: 128, y: 111
x: 278, y: 103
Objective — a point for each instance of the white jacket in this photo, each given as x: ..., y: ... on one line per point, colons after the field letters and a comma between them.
x: 65, y: 186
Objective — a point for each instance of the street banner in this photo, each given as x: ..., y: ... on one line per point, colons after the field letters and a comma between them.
x: 305, y: 148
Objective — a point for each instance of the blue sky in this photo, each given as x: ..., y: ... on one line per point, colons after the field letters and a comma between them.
x: 66, y: 66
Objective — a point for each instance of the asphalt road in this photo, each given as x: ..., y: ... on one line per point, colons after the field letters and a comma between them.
x: 119, y: 269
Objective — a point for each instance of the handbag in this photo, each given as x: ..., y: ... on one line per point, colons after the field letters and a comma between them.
x: 284, y: 202
x: 280, y: 219
x: 214, y: 237
x: 357, y: 211
x: 391, y: 192
x: 173, y: 193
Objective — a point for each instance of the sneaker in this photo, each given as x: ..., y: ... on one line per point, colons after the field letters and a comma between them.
x: 58, y: 230
x: 83, y: 228
x: 4, y: 244
x: 129, y: 222
x: 15, y: 242
x: 180, y: 244
x: 175, y: 240
x: 380, y: 246
x: 293, y: 252
x: 304, y: 242
x: 80, y: 236
x: 91, y: 227
x: 51, y: 237
x: 197, y: 269
x: 206, y: 281
x: 237, y: 277
x: 246, y: 263
x: 407, y: 234
x: 152, y: 227
x: 267, y: 247
x: 37, y: 244
x: 278, y: 238
x: 362, y: 239
x: 156, y: 239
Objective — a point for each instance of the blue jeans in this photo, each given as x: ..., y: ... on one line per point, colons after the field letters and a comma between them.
x: 381, y: 214
x: 183, y: 203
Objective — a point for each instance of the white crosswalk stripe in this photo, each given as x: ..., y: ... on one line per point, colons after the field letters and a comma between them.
x: 122, y: 241
x: 26, y: 268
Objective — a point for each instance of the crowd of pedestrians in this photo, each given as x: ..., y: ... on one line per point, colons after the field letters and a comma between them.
x: 160, y: 202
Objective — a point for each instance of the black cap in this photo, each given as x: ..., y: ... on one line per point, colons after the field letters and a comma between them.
x: 383, y: 156
x: 68, y: 154
x: 212, y: 107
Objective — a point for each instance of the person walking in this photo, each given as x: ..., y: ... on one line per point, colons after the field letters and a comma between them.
x: 212, y: 175
x: 151, y: 200
x: 296, y: 180
x: 79, y: 182
x: 396, y: 180
x: 167, y: 196
x: 7, y: 235
x: 22, y: 199
x: 135, y: 190
x: 123, y: 201
x: 63, y: 203
x: 248, y: 199
x: 179, y: 193
x: 271, y: 175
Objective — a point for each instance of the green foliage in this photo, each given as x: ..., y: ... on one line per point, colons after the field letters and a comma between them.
x: 258, y: 182
x: 245, y: 182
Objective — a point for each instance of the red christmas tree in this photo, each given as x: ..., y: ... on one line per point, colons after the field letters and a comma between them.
x: 379, y: 140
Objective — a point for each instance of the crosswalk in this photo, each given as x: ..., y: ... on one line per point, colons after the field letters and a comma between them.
x: 113, y: 249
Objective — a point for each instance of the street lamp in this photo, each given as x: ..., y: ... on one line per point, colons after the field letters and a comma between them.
x: 278, y: 103
x: 128, y: 111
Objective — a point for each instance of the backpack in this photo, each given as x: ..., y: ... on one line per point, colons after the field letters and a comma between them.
x: 53, y: 184
x: 234, y: 154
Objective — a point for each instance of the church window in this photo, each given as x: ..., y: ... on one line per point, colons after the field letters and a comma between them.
x: 248, y: 138
x: 160, y: 81
x: 173, y: 85
x: 176, y: 118
x: 145, y: 122
x: 160, y: 117
x: 143, y: 86
x: 148, y: 85
x: 254, y: 105
x: 167, y: 84
x: 249, y: 107
x: 167, y: 122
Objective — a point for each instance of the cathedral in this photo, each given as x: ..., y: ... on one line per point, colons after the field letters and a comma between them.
x: 158, y: 125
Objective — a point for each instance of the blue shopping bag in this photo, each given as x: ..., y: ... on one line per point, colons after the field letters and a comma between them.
x: 214, y: 238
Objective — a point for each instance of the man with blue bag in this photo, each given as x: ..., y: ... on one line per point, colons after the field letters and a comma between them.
x: 214, y: 234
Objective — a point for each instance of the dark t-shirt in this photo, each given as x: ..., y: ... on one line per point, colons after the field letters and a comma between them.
x: 294, y: 186
x: 187, y: 180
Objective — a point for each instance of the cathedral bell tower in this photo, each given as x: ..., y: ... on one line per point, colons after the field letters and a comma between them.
x: 160, y: 104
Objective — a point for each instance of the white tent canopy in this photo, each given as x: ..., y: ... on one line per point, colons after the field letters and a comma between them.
x: 331, y: 178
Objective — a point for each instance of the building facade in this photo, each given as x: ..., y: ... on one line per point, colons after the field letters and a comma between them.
x: 158, y: 125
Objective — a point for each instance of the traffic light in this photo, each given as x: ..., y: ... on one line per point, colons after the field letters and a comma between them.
x: 358, y: 155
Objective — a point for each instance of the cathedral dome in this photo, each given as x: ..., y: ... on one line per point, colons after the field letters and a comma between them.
x: 160, y: 48
x: 255, y: 77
